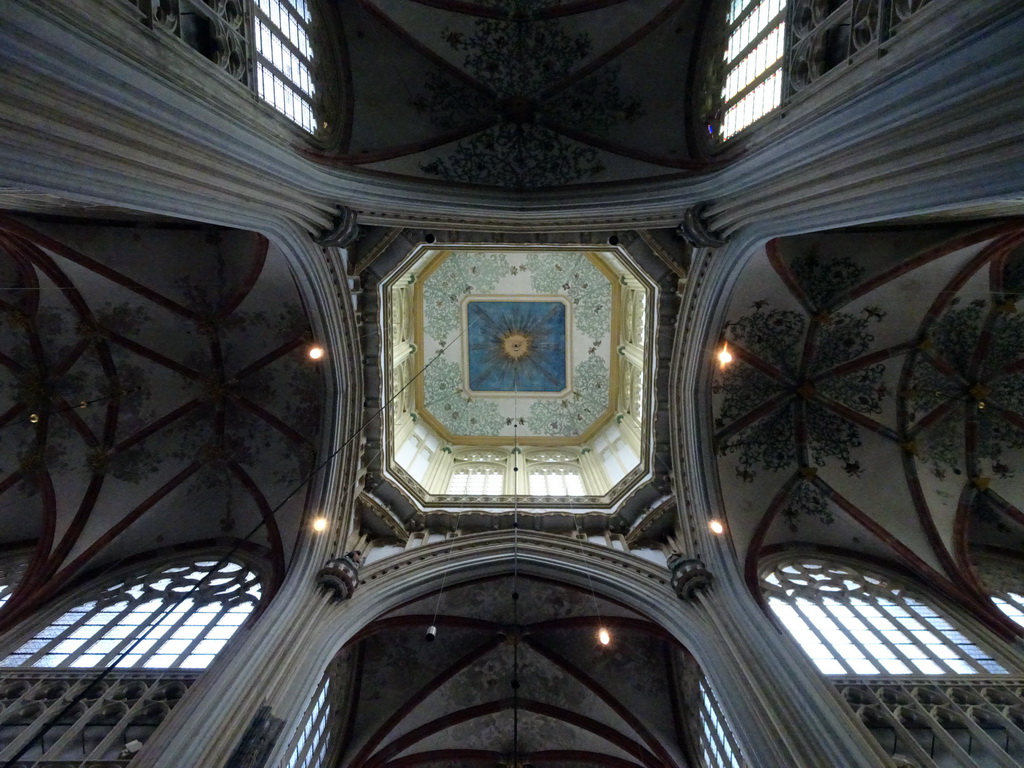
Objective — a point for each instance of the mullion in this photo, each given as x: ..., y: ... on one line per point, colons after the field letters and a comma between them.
x: 850, y: 634
x: 717, y: 731
x: 203, y: 632
x: 878, y: 633
x: 810, y: 624
x: 71, y: 657
x: 901, y: 603
x: 289, y: 83
x: 914, y: 640
x: 279, y: 77
x: 766, y: 30
x: 768, y: 71
x: 956, y: 647
x: 135, y: 635
x: 283, y: 38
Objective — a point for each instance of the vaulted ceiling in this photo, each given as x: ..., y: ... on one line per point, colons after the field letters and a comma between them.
x: 154, y: 391
x: 579, y: 703
x: 521, y: 94
x: 876, y: 403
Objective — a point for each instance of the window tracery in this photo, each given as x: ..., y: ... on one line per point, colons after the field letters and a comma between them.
x: 12, y: 569
x: 554, y: 473
x: 1004, y: 580
x: 851, y: 621
x: 478, y: 473
x: 175, y: 617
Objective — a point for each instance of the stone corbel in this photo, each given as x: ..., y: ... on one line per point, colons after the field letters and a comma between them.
x: 689, y: 576
x: 694, y: 228
x: 344, y: 233
x: 340, y: 575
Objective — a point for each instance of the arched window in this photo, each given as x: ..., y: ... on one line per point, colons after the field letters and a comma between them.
x: 554, y: 473
x: 309, y: 745
x: 852, y: 621
x: 752, y: 83
x: 284, y: 59
x: 175, y: 617
x: 1004, y: 580
x: 415, y: 454
x: 478, y: 473
x: 717, y: 744
x: 12, y: 569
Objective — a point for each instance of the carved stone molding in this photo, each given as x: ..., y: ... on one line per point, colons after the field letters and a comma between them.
x: 341, y: 575
x: 694, y: 229
x: 689, y: 576
x: 344, y: 233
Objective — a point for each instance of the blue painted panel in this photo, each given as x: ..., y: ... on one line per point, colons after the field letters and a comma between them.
x: 516, y: 346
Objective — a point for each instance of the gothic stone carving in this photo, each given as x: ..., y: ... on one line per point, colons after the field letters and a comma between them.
x: 344, y: 233
x: 341, y: 575
x: 694, y: 229
x: 689, y: 576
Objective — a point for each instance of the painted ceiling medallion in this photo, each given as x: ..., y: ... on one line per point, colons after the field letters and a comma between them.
x: 516, y: 346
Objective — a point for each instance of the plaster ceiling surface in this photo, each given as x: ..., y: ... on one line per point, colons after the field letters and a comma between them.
x: 517, y: 93
x: 154, y: 391
x: 450, y: 701
x: 516, y: 342
x: 876, y: 403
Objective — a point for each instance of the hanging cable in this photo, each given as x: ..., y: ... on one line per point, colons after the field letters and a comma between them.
x: 148, y: 628
x: 515, y: 567
x: 432, y: 629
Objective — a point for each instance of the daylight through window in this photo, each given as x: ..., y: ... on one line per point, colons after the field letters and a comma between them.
x: 753, y: 62
x: 149, y: 621
x: 854, y: 622
x: 284, y: 59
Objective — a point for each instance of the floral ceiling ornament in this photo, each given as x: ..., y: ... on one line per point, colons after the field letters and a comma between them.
x: 521, y: 98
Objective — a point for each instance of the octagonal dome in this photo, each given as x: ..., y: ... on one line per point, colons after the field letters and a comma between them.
x: 516, y: 371
x: 516, y: 343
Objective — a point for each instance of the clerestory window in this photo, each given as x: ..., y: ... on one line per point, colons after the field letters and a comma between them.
x: 478, y: 473
x: 284, y: 59
x: 176, y: 617
x: 554, y: 473
x: 12, y: 569
x: 752, y: 82
x: 718, y: 747
x: 310, y: 742
x: 853, y: 621
x: 1004, y: 580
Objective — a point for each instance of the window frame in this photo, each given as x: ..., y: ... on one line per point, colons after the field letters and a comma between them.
x: 906, y: 596
x: 1001, y: 578
x: 272, y: 84
x: 96, y: 597
x: 769, y: 75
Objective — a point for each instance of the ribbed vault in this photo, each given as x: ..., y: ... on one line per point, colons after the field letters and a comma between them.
x: 143, y: 404
x: 876, y: 404
x: 519, y: 94
x: 450, y: 702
